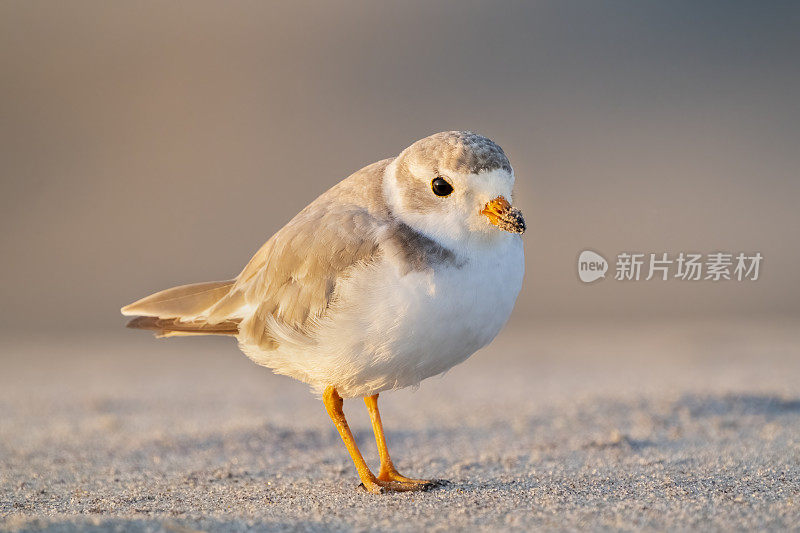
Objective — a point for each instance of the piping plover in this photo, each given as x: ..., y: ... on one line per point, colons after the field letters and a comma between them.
x: 398, y: 273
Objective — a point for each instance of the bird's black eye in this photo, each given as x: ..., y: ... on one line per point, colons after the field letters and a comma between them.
x: 441, y: 187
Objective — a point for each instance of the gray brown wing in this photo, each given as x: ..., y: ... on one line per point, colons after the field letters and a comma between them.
x: 291, y: 280
x: 293, y: 276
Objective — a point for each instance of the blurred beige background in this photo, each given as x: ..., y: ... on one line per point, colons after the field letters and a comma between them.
x: 148, y: 144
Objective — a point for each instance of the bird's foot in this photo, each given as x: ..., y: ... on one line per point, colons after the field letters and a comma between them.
x: 394, y: 482
x: 380, y: 486
x: 392, y: 476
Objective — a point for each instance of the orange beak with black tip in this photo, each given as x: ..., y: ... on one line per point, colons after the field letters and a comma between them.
x: 501, y: 214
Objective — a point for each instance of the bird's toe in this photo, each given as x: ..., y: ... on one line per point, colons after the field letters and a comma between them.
x: 373, y: 488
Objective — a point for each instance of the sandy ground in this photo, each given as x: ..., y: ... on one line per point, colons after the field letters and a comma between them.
x: 555, y: 426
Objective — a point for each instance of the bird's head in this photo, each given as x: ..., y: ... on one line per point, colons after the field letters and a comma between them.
x: 456, y: 188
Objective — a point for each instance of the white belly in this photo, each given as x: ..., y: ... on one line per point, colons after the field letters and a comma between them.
x: 391, y: 330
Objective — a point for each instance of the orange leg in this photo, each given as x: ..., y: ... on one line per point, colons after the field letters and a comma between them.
x: 333, y: 404
x: 388, y: 472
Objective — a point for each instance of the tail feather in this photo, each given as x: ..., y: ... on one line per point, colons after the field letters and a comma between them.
x: 180, y: 311
x: 173, y: 327
x: 184, y: 301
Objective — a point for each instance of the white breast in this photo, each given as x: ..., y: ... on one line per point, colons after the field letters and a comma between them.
x: 391, y: 329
